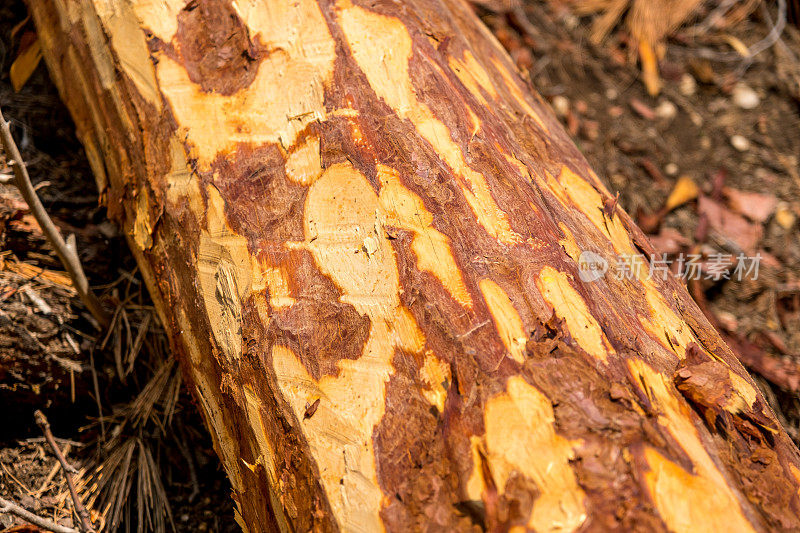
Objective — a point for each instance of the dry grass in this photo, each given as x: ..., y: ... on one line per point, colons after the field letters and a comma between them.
x: 650, y: 22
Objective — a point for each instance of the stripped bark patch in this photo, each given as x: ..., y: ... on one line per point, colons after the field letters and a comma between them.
x: 681, y: 496
x: 506, y: 319
x: 340, y: 212
x: 382, y: 47
x: 225, y: 270
x: 284, y: 96
x: 303, y: 166
x: 569, y: 305
x: 591, y: 203
x: 473, y: 76
x: 520, y: 438
x: 406, y: 210
x: 664, y: 324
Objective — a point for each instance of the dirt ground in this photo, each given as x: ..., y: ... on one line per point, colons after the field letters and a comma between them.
x: 719, y: 146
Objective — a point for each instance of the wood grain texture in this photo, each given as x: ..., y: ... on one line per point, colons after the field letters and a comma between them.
x: 362, y: 230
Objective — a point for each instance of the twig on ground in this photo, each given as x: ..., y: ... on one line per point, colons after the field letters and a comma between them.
x: 97, y: 397
x: 771, y: 38
x: 67, y: 256
x: 10, y: 507
x: 84, y: 523
x: 713, y: 18
x: 50, y: 475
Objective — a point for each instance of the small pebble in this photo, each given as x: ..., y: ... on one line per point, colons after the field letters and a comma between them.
x: 619, y: 180
x: 590, y: 129
x: 666, y: 110
x: 571, y: 21
x: 611, y: 93
x: 745, y: 97
x: 688, y: 86
x: 718, y: 104
x: 740, y: 143
x: 728, y: 320
x: 671, y: 169
x: 560, y: 105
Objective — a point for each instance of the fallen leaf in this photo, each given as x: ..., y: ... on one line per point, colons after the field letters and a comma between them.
x: 648, y: 222
x: 685, y: 191
x: 702, y: 70
x: 769, y: 260
x: 650, y: 76
x: 730, y: 225
x: 669, y: 241
x: 728, y: 321
x: 718, y: 179
x: 652, y: 170
x: 755, y: 206
x: 28, y: 58
x: 736, y: 44
x: 642, y: 109
x: 784, y: 217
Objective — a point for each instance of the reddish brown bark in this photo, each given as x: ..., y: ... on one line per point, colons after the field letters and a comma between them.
x: 363, y: 231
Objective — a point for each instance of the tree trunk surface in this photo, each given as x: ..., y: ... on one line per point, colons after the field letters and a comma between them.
x: 363, y: 231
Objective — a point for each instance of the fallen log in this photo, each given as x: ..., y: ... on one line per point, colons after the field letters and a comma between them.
x: 369, y: 240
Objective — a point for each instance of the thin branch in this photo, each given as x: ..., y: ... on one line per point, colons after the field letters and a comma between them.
x: 85, y: 524
x: 12, y: 508
x: 67, y: 256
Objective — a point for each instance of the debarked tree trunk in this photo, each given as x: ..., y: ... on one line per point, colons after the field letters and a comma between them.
x: 364, y: 234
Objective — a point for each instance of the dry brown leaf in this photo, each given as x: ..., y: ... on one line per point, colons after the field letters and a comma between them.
x: 668, y: 241
x: 649, y: 23
x: 785, y: 217
x: 649, y: 67
x: 755, y: 206
x: 685, y: 191
x: 28, y: 58
x: 736, y: 44
x: 729, y: 225
x: 642, y: 109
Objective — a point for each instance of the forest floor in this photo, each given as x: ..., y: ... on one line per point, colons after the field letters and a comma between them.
x: 721, y: 142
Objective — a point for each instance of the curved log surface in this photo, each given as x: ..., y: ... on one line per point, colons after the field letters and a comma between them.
x: 362, y: 230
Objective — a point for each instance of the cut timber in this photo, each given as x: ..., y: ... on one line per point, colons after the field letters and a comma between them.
x: 362, y: 230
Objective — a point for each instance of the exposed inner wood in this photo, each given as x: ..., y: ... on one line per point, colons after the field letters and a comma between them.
x: 362, y: 206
